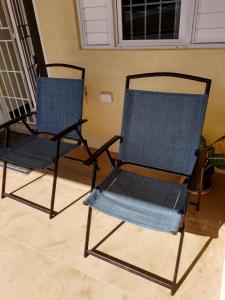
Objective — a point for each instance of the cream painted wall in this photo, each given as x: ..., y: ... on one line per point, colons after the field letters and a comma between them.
x: 106, y: 71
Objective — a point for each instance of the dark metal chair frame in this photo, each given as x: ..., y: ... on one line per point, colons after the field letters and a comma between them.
x: 194, y: 183
x: 56, y: 138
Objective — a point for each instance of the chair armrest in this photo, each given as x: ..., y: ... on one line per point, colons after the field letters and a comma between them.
x: 102, y: 149
x: 61, y: 134
x: 7, y: 124
x: 196, y: 175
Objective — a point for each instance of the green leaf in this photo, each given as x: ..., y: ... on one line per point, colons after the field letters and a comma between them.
x: 218, y: 160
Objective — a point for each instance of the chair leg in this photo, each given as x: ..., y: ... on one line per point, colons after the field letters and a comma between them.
x: 87, y: 147
x: 87, y: 232
x: 85, y: 143
x: 173, y: 289
x: 4, y: 179
x: 89, y: 151
x: 51, y: 213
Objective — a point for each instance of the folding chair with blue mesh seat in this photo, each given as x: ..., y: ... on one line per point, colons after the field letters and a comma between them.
x: 58, y: 113
x: 160, y: 131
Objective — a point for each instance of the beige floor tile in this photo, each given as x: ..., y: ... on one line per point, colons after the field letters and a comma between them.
x: 28, y: 275
x: 30, y: 226
x: 32, y: 242
x: 153, y: 251
x: 205, y: 280
x: 64, y: 283
x: 34, y: 228
x: 21, y: 271
x: 222, y: 294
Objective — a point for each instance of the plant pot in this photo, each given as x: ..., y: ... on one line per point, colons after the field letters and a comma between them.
x: 207, y: 177
x: 207, y: 180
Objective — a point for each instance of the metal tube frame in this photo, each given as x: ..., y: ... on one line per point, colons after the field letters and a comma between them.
x: 173, y: 284
x: 52, y: 213
x: 170, y: 284
x: 50, y: 210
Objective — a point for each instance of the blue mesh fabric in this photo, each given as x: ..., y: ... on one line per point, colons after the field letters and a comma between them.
x: 141, y: 200
x: 34, y: 152
x: 162, y: 130
x: 59, y: 104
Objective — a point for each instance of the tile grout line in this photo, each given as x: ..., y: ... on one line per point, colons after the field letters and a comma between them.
x: 28, y: 247
x: 103, y: 281
x: 56, y: 260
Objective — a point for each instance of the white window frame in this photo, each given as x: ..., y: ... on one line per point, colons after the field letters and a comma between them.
x: 185, y: 28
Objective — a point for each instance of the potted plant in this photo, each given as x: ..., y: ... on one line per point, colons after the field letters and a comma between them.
x: 214, y: 160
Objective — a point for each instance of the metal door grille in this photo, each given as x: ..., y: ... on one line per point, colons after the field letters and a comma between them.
x: 25, y: 38
x: 17, y: 83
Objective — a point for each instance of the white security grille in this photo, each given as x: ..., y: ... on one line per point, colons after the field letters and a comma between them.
x: 16, y: 78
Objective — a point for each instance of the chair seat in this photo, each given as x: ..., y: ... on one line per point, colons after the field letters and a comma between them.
x: 34, y: 152
x: 141, y: 200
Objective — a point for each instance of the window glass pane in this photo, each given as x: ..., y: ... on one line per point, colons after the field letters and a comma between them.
x: 150, y: 19
x: 126, y: 23
x: 177, y: 19
x: 152, y: 22
x: 168, y: 28
x: 138, y: 21
x: 138, y: 2
x: 126, y: 2
x: 158, y: 1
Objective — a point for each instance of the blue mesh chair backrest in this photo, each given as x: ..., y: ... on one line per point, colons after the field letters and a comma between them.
x: 59, y: 104
x: 162, y: 130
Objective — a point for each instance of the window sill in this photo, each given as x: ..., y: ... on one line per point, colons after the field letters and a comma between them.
x: 154, y: 47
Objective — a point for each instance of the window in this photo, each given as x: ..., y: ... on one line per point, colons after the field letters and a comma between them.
x: 150, y: 20
x: 151, y: 23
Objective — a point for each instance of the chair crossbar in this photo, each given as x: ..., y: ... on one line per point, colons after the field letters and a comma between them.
x: 29, y: 203
x: 131, y: 268
x: 170, y: 284
x: 74, y: 158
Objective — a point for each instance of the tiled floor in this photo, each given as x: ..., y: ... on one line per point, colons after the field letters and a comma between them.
x: 43, y: 260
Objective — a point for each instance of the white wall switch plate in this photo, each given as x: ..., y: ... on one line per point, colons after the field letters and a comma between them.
x: 106, y: 97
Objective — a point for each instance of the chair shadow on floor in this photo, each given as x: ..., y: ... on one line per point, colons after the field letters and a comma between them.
x: 211, y: 217
x: 207, y: 221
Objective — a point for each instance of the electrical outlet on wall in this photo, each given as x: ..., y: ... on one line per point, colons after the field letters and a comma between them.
x: 106, y: 97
